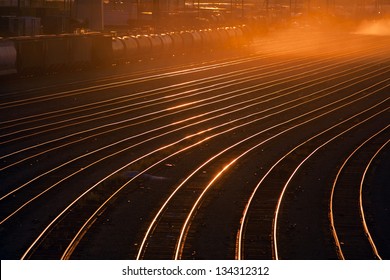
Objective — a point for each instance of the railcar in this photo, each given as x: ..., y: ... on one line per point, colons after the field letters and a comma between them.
x: 52, y: 53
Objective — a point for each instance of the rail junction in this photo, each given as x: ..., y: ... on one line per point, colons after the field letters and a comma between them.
x: 279, y: 150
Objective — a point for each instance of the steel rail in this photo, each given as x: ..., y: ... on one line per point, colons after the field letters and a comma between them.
x: 331, y: 210
x: 362, y: 212
x: 79, y: 133
x: 164, y: 205
x: 359, y: 78
x: 87, y: 225
x: 277, y: 211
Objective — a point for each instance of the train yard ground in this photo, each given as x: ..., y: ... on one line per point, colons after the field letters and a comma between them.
x: 279, y: 150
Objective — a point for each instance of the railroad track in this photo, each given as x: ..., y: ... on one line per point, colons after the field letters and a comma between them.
x: 350, y: 229
x: 199, y: 162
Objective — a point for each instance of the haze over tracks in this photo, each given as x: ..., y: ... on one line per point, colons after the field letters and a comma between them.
x: 220, y: 159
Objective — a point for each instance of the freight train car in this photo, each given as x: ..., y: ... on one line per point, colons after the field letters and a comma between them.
x: 53, y: 53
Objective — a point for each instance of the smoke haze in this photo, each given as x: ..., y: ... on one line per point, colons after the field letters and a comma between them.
x: 378, y: 27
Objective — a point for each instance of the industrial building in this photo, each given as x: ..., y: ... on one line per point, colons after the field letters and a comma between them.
x: 33, y: 17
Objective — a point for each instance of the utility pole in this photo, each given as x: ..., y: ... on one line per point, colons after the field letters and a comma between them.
x: 378, y: 6
x: 156, y: 10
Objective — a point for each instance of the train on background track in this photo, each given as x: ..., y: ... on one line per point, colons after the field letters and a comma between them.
x: 52, y: 53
